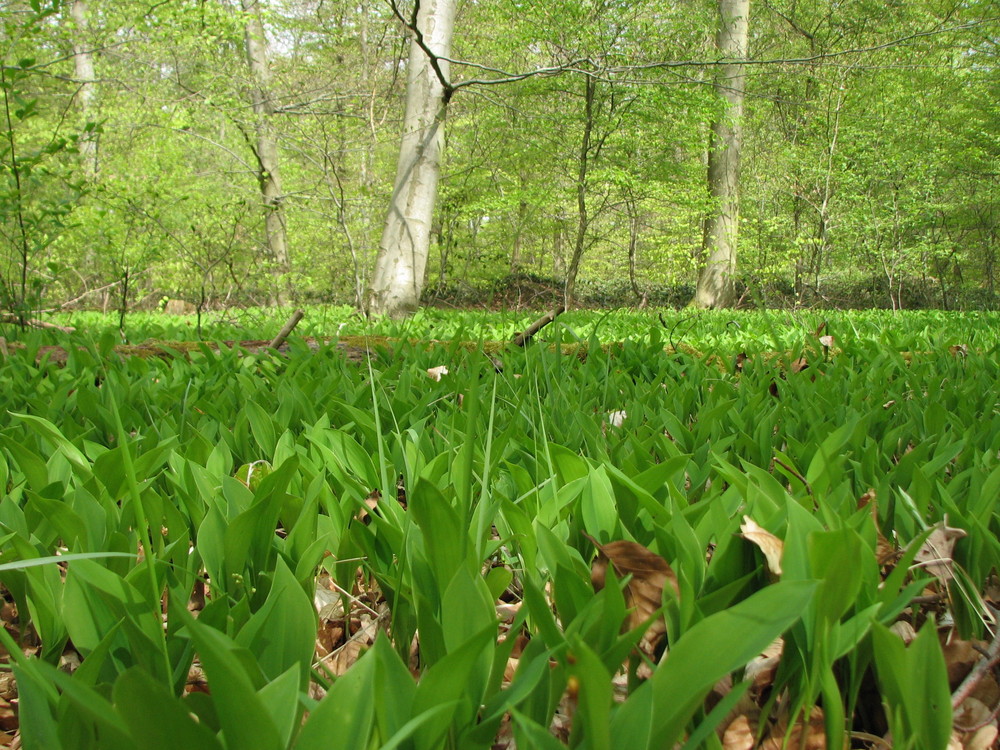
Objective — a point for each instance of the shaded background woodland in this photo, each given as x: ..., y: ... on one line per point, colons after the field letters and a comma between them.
x: 869, y: 170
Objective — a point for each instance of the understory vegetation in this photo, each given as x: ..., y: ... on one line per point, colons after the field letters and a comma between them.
x: 642, y: 531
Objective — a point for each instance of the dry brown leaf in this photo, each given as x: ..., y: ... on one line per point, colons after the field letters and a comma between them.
x: 507, y: 611
x: 935, y: 554
x: 437, y: 372
x: 644, y: 592
x: 769, y: 544
x: 370, y: 503
x: 885, y: 551
x: 762, y: 668
x: 960, y: 656
x: 971, y: 715
x: 983, y: 738
x: 799, y: 365
x: 8, y: 717
x: 617, y: 418
x: 327, y: 599
x: 8, y: 686
x: 739, y: 735
x: 869, y: 500
x: 809, y: 735
x: 904, y: 630
x: 991, y: 590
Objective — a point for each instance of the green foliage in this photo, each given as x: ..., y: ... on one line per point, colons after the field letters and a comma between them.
x: 866, y: 180
x: 38, y: 189
x: 256, y: 473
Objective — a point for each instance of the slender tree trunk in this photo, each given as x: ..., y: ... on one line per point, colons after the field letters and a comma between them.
x: 633, y: 244
x: 402, y: 255
x: 268, y: 166
x: 715, y: 282
x: 582, y: 221
x: 83, y: 68
x: 558, y: 233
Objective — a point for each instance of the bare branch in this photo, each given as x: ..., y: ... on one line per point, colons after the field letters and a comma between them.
x: 418, y: 37
x: 590, y: 67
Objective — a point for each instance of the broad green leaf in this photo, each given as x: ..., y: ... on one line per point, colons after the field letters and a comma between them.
x: 246, y: 721
x: 282, y: 633
x: 714, y: 647
x: 156, y: 718
x: 344, y: 719
x: 914, y: 682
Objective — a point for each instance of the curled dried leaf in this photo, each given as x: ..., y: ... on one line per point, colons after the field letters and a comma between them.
x: 739, y: 735
x: 437, y: 372
x: 806, y: 734
x: 935, y: 553
x: 617, y: 418
x: 648, y: 572
x: 769, y: 544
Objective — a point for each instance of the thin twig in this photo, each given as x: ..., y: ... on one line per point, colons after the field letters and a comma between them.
x: 523, y: 338
x: 795, y: 473
x: 989, y: 660
x: 289, y: 326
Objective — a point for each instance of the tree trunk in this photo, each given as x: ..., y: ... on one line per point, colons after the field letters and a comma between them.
x: 632, y: 211
x: 581, y: 192
x: 83, y: 68
x: 268, y: 168
x: 402, y: 254
x: 715, y: 282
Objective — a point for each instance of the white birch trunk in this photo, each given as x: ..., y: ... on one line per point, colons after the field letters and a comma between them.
x: 402, y: 255
x: 715, y: 282
x: 83, y: 69
x: 269, y: 170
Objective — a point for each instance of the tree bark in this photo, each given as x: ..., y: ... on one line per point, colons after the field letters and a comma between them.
x: 583, y: 220
x: 715, y: 282
x: 83, y: 69
x: 266, y: 151
x: 402, y: 255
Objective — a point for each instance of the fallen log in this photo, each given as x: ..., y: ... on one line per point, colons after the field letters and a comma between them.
x: 528, y: 333
x: 293, y: 321
x: 32, y: 323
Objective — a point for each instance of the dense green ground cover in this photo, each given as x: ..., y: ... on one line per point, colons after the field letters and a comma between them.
x: 249, y: 475
x: 760, y: 329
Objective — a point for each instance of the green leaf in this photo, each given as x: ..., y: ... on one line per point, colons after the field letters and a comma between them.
x: 446, y: 539
x: 281, y: 696
x: 714, y: 647
x: 914, y: 684
x: 50, y: 432
x: 246, y: 721
x: 835, y: 558
x: 157, y: 718
x: 344, y: 719
x: 262, y: 427
x: 57, y: 559
x: 282, y: 633
x: 597, y: 505
x: 595, y: 696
